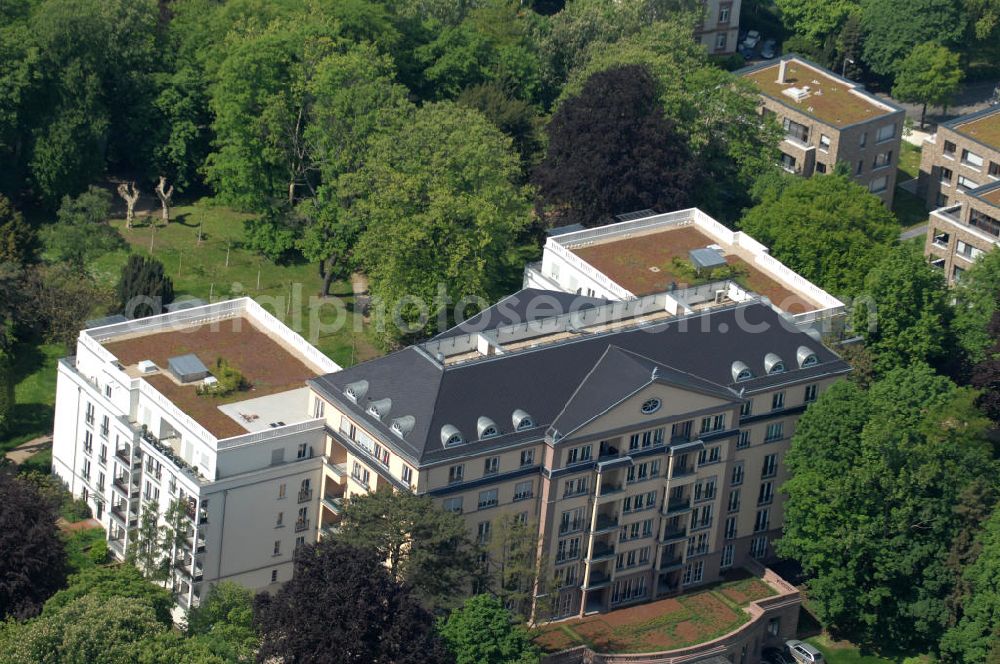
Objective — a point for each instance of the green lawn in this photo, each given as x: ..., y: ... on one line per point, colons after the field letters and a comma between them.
x: 844, y: 653
x: 202, y: 251
x: 909, y: 162
x: 909, y: 209
x: 34, y: 392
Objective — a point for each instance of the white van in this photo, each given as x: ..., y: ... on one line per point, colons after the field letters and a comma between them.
x: 804, y: 653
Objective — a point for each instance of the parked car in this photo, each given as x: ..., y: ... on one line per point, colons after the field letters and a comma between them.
x: 747, y: 53
x: 752, y: 39
x: 769, y: 49
x: 775, y: 656
x: 804, y: 653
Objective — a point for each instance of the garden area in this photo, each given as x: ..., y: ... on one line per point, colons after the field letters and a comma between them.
x: 667, y: 624
x: 909, y: 208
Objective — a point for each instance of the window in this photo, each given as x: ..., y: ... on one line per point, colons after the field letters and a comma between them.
x: 796, y: 131
x: 758, y: 547
x: 483, y: 532
x: 709, y: 455
x: 824, y: 142
x: 456, y: 474
x: 946, y: 176
x: 650, y: 406
x: 743, y: 441
x: 571, y: 521
x: 107, y: 390
x: 860, y: 168
x: 279, y: 522
x: 972, y: 159
x: 885, y: 133
x: 737, y: 476
x: 524, y: 490
x: 770, y: 467
x: 319, y: 406
x: 704, y: 489
x: 527, y: 457
x: 568, y: 549
x: 984, y: 222
x: 967, y: 183
x: 488, y: 499
x: 300, y: 453
x: 680, y: 432
x: 105, y: 426
x: 721, y: 39
x: 407, y: 474
x: 277, y: 456
x: 701, y: 518
x: 965, y: 250
x: 994, y: 170
x: 88, y: 442
x: 949, y: 149
x: 766, y: 494
x: 774, y: 432
x: 281, y: 491
x: 788, y: 162
x: 882, y: 159
x: 274, y: 576
x: 299, y: 541
x: 863, y: 139
x: 810, y: 393
x: 277, y: 548
x: 778, y: 401
x: 730, y: 529
x: 709, y: 424
x: 727, y: 556
x: 762, y: 521
x: 360, y: 474
x: 820, y: 167
x: 575, y: 487
x: 578, y: 454
x: 89, y: 417
x: 697, y: 545
x: 746, y: 408
x: 453, y: 505
x: 774, y: 626
x: 723, y: 14
x: 491, y: 465
x: 879, y: 184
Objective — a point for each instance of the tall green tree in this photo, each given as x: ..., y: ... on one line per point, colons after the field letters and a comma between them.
x: 875, y: 478
x: 33, y: 564
x: 18, y: 240
x: 612, y: 150
x: 815, y: 19
x: 482, y: 631
x: 82, y: 232
x: 369, y: 618
x: 106, y: 583
x: 930, y: 74
x: 145, y: 548
x: 441, y: 209
x: 903, y: 311
x: 513, y: 565
x: 6, y: 390
x: 977, y: 635
x: 143, y: 288
x: 895, y: 27
x: 986, y: 373
x: 828, y: 229
x: 421, y: 544
x: 976, y: 298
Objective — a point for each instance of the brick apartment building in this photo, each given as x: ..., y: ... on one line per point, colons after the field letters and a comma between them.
x: 829, y: 119
x: 720, y: 29
x: 959, y: 176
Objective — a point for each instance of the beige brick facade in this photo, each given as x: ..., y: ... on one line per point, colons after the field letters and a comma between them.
x: 832, y: 120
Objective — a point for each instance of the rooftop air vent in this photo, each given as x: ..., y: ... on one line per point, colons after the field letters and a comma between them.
x: 741, y: 372
x: 805, y: 357
x: 380, y: 408
x: 798, y: 94
x: 773, y: 364
x: 403, y: 425
x: 450, y: 435
x: 522, y: 420
x: 486, y: 428
x: 356, y: 391
x: 187, y: 368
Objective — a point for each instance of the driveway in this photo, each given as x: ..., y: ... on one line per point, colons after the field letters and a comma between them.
x: 916, y: 231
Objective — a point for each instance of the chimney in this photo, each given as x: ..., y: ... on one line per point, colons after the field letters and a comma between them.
x: 781, y: 71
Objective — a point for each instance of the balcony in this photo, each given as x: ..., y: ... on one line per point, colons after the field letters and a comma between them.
x: 597, y: 580
x: 678, y: 504
x: 605, y: 524
x: 602, y: 551
x: 122, y: 485
x: 301, y: 524
x: 670, y: 562
x: 667, y: 587
x: 331, y: 530
x: 334, y: 503
x: 305, y: 495
x: 682, y: 471
x: 673, y: 533
x: 610, y: 489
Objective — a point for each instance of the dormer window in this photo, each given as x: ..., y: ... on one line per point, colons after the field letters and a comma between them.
x: 380, y: 408
x: 650, y: 406
x: 356, y: 391
x: 450, y: 435
x: 806, y: 357
x: 403, y: 425
x: 486, y: 428
x: 488, y: 432
x: 522, y: 420
x: 741, y: 372
x: 773, y: 364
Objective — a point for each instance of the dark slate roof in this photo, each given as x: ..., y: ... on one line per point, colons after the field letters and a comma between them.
x: 562, y: 381
x: 521, y: 307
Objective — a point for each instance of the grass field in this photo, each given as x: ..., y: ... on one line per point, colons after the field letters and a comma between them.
x: 909, y: 209
x: 909, y: 161
x: 34, y: 393
x: 845, y: 653
x: 202, y: 251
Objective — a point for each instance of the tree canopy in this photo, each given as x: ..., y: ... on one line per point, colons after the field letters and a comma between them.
x: 929, y: 75
x: 829, y: 229
x: 368, y: 617
x: 482, y: 631
x: 895, y: 27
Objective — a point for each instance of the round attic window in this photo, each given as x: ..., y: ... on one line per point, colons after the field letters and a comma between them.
x: 650, y: 406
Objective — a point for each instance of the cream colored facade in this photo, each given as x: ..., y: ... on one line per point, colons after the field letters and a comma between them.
x: 719, y: 31
x: 629, y: 508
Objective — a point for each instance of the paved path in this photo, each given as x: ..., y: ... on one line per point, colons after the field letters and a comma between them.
x: 913, y: 232
x: 25, y: 451
x: 973, y: 97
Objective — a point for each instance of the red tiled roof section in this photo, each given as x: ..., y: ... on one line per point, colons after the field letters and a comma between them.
x: 268, y: 366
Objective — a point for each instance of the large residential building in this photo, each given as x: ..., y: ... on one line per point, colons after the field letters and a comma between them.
x: 719, y: 31
x: 829, y: 119
x: 133, y: 433
x: 646, y: 442
x: 959, y: 172
x: 691, y: 258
